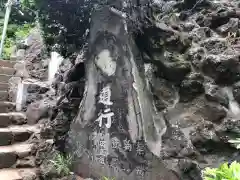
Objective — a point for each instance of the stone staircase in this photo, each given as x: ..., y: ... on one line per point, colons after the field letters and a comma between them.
x: 17, y: 158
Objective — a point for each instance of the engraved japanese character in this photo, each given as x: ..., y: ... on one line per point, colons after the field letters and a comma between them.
x: 140, y: 149
x: 115, y: 169
x: 105, y: 96
x: 102, y: 144
x: 115, y: 143
x: 101, y: 160
x: 127, y: 145
x: 79, y: 149
x: 103, y: 152
x: 120, y: 128
x: 107, y: 116
x: 114, y: 161
x: 140, y: 171
x: 93, y: 136
x: 114, y: 164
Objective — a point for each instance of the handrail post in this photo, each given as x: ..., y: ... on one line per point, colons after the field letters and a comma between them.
x: 7, y: 15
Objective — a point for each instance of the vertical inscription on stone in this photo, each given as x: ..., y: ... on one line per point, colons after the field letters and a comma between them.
x: 140, y: 148
x: 101, y: 144
x: 105, y: 99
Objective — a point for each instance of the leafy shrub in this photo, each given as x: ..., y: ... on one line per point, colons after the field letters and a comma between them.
x: 21, y: 21
x: 64, y: 22
x: 224, y: 172
x: 62, y: 164
x: 14, y: 33
x: 27, y: 4
x: 23, y: 31
x: 11, y: 29
x: 8, y: 48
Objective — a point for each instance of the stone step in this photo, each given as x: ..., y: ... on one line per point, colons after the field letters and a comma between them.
x: 7, y: 71
x: 10, y: 154
x: 27, y: 162
x: 4, y: 86
x: 15, y: 134
x: 3, y: 95
x: 7, y: 63
x: 12, y: 118
x: 5, y: 78
x: 18, y: 174
x: 6, y: 107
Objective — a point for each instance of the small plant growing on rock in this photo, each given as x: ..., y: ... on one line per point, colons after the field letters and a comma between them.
x: 62, y: 164
x: 224, y: 172
x: 235, y: 142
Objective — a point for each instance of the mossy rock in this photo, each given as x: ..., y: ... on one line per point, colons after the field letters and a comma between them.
x: 172, y: 66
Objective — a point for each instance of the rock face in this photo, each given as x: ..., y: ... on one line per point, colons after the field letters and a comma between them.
x: 121, y: 126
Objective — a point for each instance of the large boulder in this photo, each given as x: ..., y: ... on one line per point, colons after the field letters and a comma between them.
x: 212, y: 112
x: 231, y: 27
x: 201, y: 33
x: 172, y: 39
x: 204, y: 136
x: 191, y: 114
x: 229, y: 128
x: 36, y: 111
x: 191, y: 87
x: 175, y: 144
x: 224, y: 69
x: 215, y: 45
x: 216, y: 17
x: 196, y: 55
x: 216, y: 94
x: 172, y: 67
x: 164, y: 93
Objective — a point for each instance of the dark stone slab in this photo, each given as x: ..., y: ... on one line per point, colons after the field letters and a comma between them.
x: 117, y: 132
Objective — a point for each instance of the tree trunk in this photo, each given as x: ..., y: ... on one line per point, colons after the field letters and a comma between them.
x: 117, y: 132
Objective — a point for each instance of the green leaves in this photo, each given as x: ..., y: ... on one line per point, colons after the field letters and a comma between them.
x: 23, y: 31
x: 106, y: 178
x: 15, y: 33
x: 224, y: 172
x: 62, y: 164
x: 28, y: 3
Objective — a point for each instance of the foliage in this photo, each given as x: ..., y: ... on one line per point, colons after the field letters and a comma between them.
x: 15, y: 33
x: 28, y: 3
x: 62, y: 164
x: 106, y: 178
x: 236, y: 142
x: 21, y: 13
x: 64, y: 22
x: 20, y: 24
x: 8, y: 48
x: 224, y: 172
x: 23, y: 31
